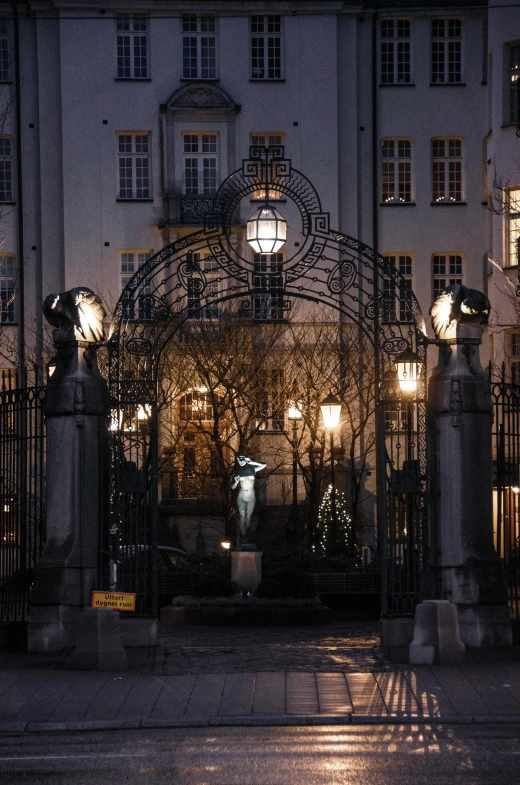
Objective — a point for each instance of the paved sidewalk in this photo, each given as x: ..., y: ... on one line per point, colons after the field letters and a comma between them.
x: 313, y: 675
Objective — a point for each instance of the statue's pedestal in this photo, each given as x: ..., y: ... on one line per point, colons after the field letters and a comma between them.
x: 246, y: 569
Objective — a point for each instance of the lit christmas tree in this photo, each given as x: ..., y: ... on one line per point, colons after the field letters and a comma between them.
x: 346, y: 544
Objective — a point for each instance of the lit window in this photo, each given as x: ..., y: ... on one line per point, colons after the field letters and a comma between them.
x: 446, y: 271
x: 395, y: 418
x: 397, y: 294
x: 7, y: 381
x: 5, y: 51
x: 199, y: 47
x: 196, y: 406
x: 272, y: 402
x: 446, y: 51
x: 447, y: 170
x: 512, y: 219
x: 266, y: 140
x: 132, y: 46
x: 7, y: 289
x: 513, y: 84
x: 135, y: 308
x: 396, y: 171
x: 268, y: 287
x: 200, y: 164
x: 134, y: 166
x: 514, y: 357
x: 396, y: 51
x: 266, y: 47
x: 202, y: 299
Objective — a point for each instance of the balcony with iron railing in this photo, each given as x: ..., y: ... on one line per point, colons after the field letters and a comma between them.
x: 182, y: 210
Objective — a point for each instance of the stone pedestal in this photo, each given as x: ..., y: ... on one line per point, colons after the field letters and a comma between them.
x: 99, y: 642
x: 436, y: 637
x: 471, y: 573
x: 76, y: 408
x: 246, y: 569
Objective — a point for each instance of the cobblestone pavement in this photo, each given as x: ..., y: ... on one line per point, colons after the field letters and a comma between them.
x: 339, y: 646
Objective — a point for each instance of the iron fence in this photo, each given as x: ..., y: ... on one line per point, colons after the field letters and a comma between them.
x: 506, y: 481
x: 22, y: 497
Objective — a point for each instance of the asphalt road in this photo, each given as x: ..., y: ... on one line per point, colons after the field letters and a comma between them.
x: 362, y: 755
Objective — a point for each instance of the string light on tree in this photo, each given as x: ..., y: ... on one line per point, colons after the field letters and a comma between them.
x: 346, y: 537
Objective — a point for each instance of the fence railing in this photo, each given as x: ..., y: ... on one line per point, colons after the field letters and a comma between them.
x: 506, y: 481
x: 22, y: 497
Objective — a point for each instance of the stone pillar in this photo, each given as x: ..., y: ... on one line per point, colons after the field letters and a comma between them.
x: 76, y: 409
x: 471, y: 573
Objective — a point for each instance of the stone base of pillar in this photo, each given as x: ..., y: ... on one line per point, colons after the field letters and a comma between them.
x: 485, y: 625
x: 436, y: 637
x: 246, y: 569
x: 99, y: 642
x: 52, y: 627
x: 138, y: 632
x: 396, y: 636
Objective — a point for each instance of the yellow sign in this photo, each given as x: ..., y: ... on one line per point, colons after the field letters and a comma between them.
x: 108, y: 599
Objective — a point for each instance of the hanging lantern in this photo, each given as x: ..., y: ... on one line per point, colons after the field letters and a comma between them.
x: 330, y: 410
x: 266, y: 230
x: 409, y: 369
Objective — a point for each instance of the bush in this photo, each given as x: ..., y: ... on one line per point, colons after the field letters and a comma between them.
x: 270, y: 589
x: 215, y: 586
x: 296, y: 583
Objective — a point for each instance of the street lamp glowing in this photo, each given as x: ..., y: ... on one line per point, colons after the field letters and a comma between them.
x: 409, y: 369
x: 226, y: 545
x: 266, y: 230
x: 330, y: 410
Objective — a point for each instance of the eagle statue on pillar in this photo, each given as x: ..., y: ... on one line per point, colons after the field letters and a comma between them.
x: 79, y: 309
x: 457, y: 304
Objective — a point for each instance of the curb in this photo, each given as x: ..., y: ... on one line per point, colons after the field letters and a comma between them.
x: 259, y: 721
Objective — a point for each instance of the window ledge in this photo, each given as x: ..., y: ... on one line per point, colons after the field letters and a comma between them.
x: 397, y: 84
x: 267, y: 80
x: 447, y: 84
x: 510, y: 267
x: 8, y: 324
x: 8, y: 203
x: 512, y: 124
x: 150, y: 199
x: 199, y: 79
x: 448, y: 204
x: 397, y: 204
x: 132, y: 79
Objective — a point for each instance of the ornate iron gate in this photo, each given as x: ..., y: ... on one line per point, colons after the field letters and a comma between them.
x: 22, y: 497
x: 328, y: 267
x: 506, y: 481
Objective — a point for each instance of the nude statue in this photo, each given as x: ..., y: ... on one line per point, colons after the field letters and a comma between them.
x: 245, y: 477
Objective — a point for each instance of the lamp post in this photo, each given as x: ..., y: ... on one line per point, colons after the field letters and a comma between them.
x: 294, y: 414
x: 331, y: 410
x: 409, y: 369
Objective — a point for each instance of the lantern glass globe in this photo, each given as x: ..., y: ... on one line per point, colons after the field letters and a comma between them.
x: 266, y: 230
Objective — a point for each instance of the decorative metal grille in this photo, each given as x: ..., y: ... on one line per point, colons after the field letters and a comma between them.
x: 506, y: 481
x: 328, y: 268
x: 22, y: 497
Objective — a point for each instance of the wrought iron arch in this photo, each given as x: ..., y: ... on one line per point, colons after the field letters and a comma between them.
x: 329, y: 268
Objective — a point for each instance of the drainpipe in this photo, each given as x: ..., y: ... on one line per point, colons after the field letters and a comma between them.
x: 382, y: 514
x: 19, y: 201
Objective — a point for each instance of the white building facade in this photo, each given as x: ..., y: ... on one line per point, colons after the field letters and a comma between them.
x: 120, y: 121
